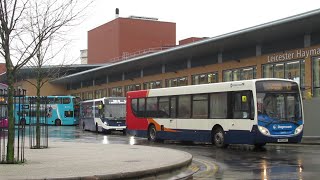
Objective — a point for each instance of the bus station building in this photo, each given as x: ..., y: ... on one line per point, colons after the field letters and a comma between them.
x: 137, y: 53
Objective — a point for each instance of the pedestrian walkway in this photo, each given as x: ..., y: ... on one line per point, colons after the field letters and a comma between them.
x: 311, y: 140
x: 95, y: 161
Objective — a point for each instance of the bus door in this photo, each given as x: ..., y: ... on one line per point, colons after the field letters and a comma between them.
x: 242, y: 110
x: 98, y: 112
x: 167, y: 112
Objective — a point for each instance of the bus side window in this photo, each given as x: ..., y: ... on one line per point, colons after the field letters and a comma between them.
x: 184, y: 106
x: 141, y: 107
x: 134, y: 105
x: 173, y: 107
x: 66, y: 100
x: 164, y: 107
x: 219, y: 105
x: 152, y: 107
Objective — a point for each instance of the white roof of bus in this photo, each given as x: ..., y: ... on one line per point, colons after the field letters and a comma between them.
x: 213, y: 87
x: 102, y: 99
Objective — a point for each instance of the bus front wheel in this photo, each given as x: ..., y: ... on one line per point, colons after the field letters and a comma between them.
x: 152, y: 133
x: 218, y: 138
x: 57, y: 122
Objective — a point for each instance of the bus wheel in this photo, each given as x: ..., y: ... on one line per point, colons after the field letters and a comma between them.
x: 57, y: 122
x: 152, y: 133
x: 218, y: 138
x: 97, y: 128
x: 23, y: 121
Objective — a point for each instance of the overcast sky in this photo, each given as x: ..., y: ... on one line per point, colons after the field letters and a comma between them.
x: 193, y: 18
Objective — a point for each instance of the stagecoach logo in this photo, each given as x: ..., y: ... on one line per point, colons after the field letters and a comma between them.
x: 281, y: 127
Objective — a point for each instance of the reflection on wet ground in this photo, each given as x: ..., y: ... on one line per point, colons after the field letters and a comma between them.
x: 235, y: 162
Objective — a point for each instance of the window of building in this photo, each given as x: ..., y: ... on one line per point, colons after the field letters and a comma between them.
x: 239, y: 74
x: 294, y: 70
x: 316, y: 76
x: 98, y: 93
x: 90, y: 95
x: 205, y: 78
x: 181, y: 81
x: 116, y: 92
x: 152, y: 85
x: 132, y: 87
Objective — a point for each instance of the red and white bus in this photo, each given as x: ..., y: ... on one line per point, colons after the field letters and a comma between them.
x: 254, y: 112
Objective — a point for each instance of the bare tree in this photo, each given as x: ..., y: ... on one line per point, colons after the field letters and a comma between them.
x: 25, y: 27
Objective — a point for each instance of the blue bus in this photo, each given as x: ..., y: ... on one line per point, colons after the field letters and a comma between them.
x: 59, y: 110
x: 253, y: 112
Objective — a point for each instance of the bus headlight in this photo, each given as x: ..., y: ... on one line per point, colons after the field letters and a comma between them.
x: 105, y: 123
x: 264, y: 130
x: 298, y: 129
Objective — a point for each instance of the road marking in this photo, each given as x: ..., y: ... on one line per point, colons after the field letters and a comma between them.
x: 206, y: 168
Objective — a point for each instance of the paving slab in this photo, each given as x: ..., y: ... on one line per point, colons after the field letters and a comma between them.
x: 75, y: 160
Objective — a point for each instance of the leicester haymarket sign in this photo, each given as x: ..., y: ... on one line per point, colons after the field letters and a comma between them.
x: 293, y: 55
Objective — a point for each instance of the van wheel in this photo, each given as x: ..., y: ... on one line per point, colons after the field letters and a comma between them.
x: 57, y: 122
x: 219, y: 138
x: 152, y: 133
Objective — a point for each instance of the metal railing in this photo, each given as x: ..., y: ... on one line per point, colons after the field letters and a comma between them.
x: 126, y: 56
x: 19, y: 129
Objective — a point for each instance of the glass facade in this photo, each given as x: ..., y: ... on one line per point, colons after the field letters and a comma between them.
x: 115, y: 92
x: 294, y: 70
x: 132, y: 87
x: 98, y: 93
x: 174, y: 82
x: 239, y: 74
x: 316, y: 76
x: 205, y: 78
x: 152, y: 85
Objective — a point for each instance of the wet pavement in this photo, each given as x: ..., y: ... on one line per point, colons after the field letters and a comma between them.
x: 236, y: 162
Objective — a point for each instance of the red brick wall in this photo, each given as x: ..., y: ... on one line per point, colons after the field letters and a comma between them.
x: 125, y: 35
x: 136, y: 35
x: 103, y: 42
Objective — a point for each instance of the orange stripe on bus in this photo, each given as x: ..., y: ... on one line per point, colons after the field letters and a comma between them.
x: 158, y: 127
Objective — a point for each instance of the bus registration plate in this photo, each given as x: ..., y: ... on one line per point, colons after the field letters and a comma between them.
x: 282, y: 140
